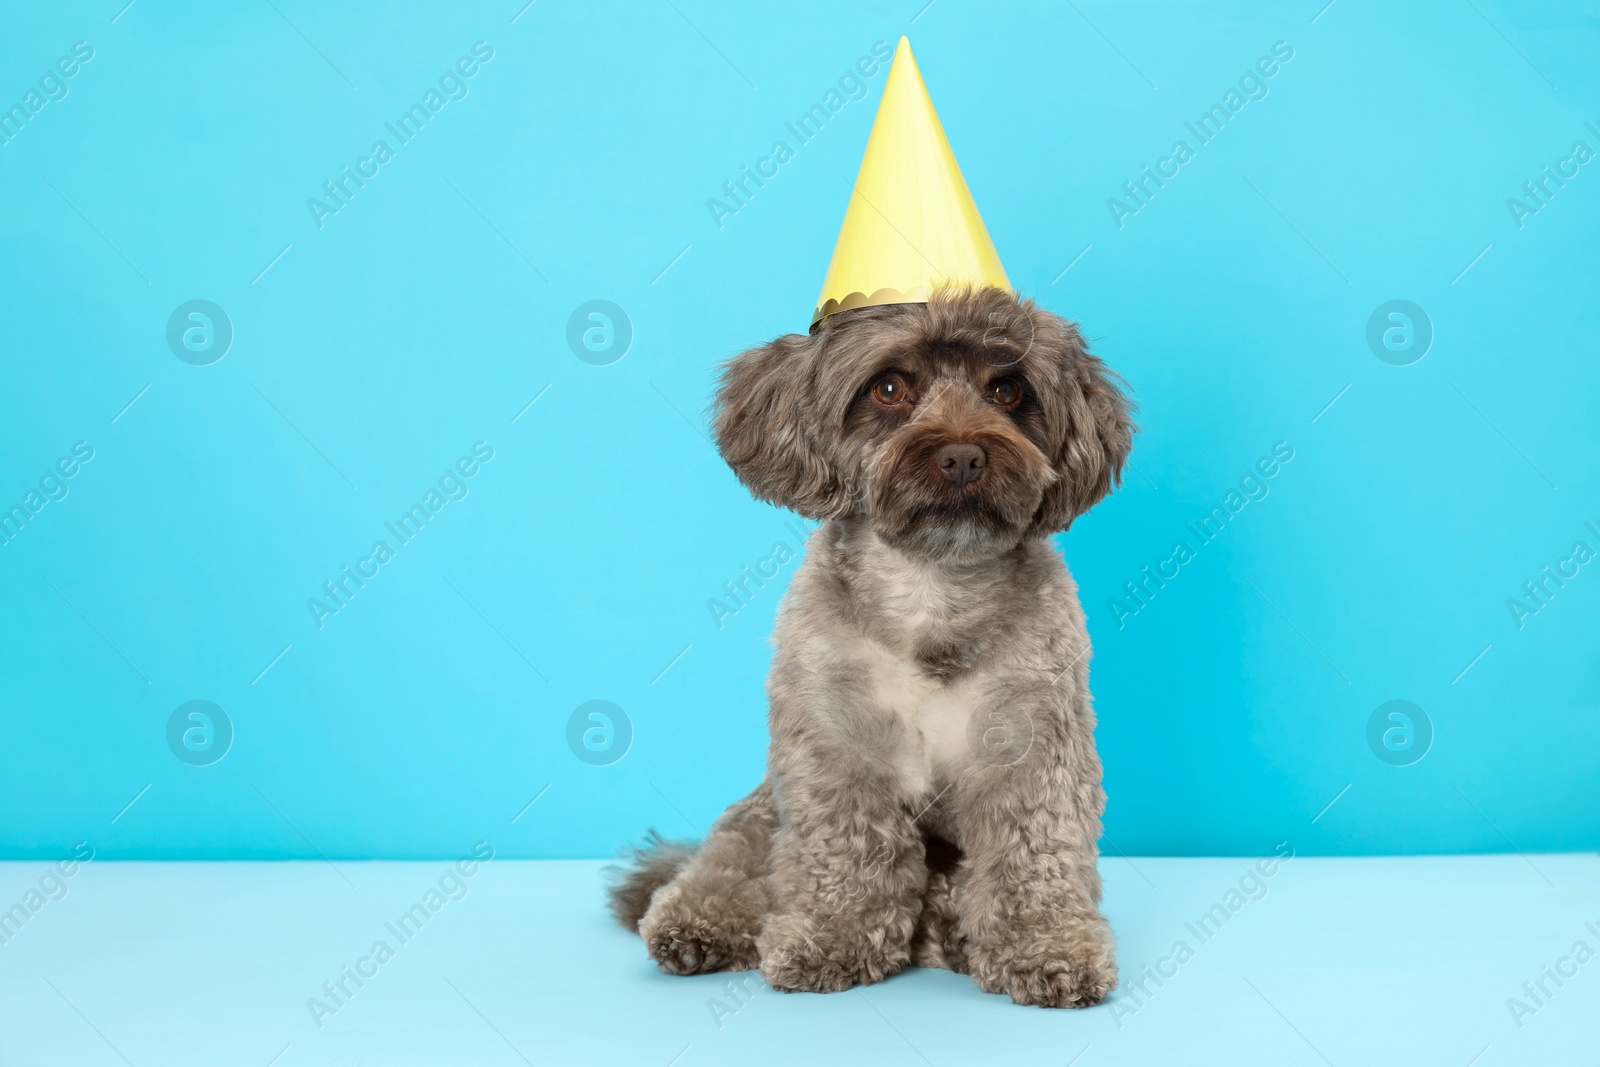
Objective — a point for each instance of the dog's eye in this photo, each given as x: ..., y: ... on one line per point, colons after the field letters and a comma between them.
x: 890, y: 390
x: 1006, y: 392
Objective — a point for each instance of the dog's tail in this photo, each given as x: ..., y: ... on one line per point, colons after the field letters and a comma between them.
x: 648, y: 867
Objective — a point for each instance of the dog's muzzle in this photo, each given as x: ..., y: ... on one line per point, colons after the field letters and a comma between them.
x: 961, y: 463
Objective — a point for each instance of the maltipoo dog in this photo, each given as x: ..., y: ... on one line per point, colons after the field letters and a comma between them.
x: 932, y: 795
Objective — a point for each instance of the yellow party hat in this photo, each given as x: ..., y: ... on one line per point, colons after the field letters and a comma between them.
x: 911, y: 226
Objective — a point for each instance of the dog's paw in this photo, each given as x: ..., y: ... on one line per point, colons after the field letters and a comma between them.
x: 827, y: 960
x: 938, y: 941
x: 681, y: 941
x: 697, y: 949
x: 1068, y: 969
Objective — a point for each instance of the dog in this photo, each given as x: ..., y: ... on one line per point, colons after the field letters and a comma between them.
x: 933, y: 794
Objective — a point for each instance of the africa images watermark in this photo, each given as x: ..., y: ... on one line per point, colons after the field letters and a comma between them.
x: 337, y: 992
x: 1252, y: 86
x: 1538, y: 192
x: 1553, y: 577
x: 1536, y: 992
x: 51, y: 886
x: 1136, y: 993
x: 452, y: 485
x: 1252, y: 487
x: 53, y: 486
x: 452, y: 85
x: 746, y: 982
x: 52, y: 87
x: 731, y: 603
x: 852, y: 86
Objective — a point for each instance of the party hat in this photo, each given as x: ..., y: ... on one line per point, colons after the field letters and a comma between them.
x: 911, y: 226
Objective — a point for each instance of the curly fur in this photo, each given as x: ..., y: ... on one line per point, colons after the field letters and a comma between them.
x: 932, y: 794
x: 650, y: 866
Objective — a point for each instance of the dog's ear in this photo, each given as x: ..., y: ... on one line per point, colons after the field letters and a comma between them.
x: 1090, y: 421
x: 765, y: 423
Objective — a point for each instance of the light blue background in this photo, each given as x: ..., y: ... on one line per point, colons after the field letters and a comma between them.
x: 429, y: 312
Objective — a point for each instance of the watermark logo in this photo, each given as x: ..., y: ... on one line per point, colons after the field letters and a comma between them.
x: 1000, y: 736
x: 1399, y: 733
x: 199, y: 332
x: 599, y: 332
x: 199, y: 733
x: 1399, y: 333
x: 599, y: 733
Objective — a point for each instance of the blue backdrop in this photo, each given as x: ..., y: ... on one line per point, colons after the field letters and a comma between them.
x: 285, y: 282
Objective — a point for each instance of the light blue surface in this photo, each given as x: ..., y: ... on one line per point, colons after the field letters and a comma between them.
x: 371, y: 352
x: 1376, y: 961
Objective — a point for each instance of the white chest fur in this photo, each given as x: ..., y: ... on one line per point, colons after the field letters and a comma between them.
x: 933, y: 716
x: 917, y: 603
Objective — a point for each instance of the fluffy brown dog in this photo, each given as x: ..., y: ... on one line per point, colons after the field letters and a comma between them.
x: 932, y: 794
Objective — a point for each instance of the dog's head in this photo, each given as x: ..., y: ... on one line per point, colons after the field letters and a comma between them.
x: 959, y: 426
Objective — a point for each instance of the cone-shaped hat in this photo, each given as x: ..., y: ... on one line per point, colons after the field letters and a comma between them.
x: 911, y: 226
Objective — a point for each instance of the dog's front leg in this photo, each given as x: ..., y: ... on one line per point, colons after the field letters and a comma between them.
x: 1028, y: 815
x: 846, y: 878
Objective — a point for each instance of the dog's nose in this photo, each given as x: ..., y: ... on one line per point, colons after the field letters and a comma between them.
x: 961, y: 463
